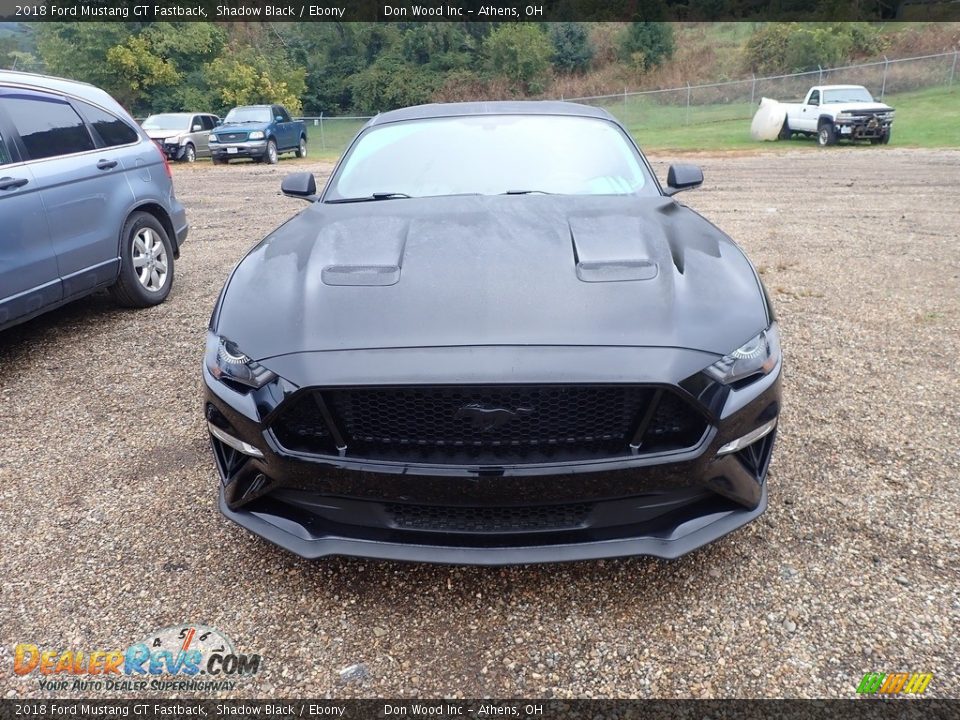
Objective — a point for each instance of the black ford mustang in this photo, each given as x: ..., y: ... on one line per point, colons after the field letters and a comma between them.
x: 493, y: 338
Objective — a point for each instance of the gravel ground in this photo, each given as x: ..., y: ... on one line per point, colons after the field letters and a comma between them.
x: 110, y: 530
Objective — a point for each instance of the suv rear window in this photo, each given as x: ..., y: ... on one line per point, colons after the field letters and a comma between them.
x: 111, y: 129
x: 47, y: 126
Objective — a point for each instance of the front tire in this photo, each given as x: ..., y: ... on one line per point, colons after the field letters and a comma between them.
x: 271, y: 157
x: 826, y: 135
x: 302, y: 148
x: 146, y: 263
x: 189, y: 153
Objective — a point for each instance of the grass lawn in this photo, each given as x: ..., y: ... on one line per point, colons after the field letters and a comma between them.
x: 925, y: 118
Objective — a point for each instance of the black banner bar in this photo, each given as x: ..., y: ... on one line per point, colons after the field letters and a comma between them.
x: 854, y: 709
x: 472, y: 10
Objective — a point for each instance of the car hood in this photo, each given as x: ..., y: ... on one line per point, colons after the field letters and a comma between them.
x: 240, y: 127
x: 504, y: 270
x: 162, y: 134
x: 859, y: 106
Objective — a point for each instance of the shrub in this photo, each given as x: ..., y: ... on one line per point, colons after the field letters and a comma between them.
x: 520, y: 52
x: 572, y: 49
x: 647, y: 44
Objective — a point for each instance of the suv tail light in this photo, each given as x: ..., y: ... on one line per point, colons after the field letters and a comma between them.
x: 166, y: 162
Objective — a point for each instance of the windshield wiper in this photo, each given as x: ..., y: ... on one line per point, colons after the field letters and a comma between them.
x: 526, y: 192
x: 371, y: 197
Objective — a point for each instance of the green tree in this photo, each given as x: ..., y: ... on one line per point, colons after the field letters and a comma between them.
x: 521, y: 53
x: 647, y: 44
x: 572, y: 50
x: 248, y: 78
x: 79, y: 50
x: 137, y: 69
x: 390, y: 83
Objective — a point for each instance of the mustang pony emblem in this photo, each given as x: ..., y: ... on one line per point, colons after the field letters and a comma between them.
x: 485, y: 418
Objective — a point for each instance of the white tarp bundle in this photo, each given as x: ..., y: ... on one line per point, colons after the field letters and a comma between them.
x: 768, y: 121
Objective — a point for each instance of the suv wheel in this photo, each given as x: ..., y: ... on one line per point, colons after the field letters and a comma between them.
x: 146, y: 263
x: 302, y: 149
x: 189, y: 153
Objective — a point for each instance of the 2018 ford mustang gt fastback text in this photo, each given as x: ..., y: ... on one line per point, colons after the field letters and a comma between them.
x: 493, y: 338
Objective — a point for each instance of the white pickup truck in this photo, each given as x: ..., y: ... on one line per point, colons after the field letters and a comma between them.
x: 839, y: 112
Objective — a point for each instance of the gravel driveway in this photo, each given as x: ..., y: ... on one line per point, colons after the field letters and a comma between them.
x: 110, y: 530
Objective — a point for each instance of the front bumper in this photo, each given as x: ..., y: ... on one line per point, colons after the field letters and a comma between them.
x: 664, y: 505
x: 173, y: 152
x: 248, y: 149
x: 863, y: 129
x: 676, y: 536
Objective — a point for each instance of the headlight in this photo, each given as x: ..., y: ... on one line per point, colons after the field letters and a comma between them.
x: 213, y: 138
x: 256, y: 135
x: 175, y: 140
x: 757, y: 356
x: 844, y: 116
x: 226, y: 362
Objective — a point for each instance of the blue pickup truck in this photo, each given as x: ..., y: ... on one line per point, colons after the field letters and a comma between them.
x: 258, y: 132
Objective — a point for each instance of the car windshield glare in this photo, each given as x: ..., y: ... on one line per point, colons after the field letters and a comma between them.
x: 248, y: 114
x: 492, y: 155
x: 847, y: 95
x: 167, y: 121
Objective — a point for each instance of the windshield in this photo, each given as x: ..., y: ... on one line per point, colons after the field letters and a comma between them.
x: 856, y: 94
x: 248, y: 114
x: 492, y: 155
x: 167, y: 121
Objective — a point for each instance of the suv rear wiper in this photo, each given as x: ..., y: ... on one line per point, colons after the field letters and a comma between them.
x: 372, y: 196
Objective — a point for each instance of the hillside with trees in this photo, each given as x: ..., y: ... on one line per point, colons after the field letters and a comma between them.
x: 363, y: 68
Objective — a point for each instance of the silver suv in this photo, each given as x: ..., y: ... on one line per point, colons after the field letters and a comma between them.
x: 182, y: 136
x: 86, y: 200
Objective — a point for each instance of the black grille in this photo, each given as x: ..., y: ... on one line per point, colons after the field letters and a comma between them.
x: 487, y: 424
x: 232, y: 137
x: 488, y: 519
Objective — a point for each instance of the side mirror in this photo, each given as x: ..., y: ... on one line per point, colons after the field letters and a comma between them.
x: 196, y: 128
x: 278, y: 118
x: 300, y: 185
x: 683, y: 177
x: 218, y: 123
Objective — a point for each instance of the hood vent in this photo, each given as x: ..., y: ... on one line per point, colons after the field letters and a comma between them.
x: 611, y: 249
x: 364, y: 251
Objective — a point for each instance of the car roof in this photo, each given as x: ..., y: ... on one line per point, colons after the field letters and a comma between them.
x: 842, y: 87
x: 74, y: 88
x: 505, y: 107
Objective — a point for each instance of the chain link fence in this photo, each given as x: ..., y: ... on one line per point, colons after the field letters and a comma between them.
x: 330, y: 135
x: 731, y: 101
x: 736, y: 100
